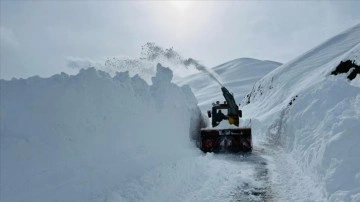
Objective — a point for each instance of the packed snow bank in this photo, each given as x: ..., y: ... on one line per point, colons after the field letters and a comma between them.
x: 322, y: 131
x: 88, y: 137
x: 315, y: 116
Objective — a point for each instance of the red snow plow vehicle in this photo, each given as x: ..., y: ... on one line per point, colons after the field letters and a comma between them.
x: 225, y: 138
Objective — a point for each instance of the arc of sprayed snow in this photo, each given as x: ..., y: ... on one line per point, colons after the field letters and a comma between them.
x: 202, y: 68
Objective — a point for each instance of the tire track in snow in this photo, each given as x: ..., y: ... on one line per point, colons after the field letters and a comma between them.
x: 260, y: 189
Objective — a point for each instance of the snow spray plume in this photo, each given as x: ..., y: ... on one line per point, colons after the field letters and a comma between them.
x: 151, y: 54
x: 151, y: 51
x: 202, y: 68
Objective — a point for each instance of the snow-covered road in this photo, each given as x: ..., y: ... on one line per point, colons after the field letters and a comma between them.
x: 206, y: 177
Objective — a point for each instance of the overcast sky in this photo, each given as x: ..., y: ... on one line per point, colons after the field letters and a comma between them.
x: 37, y: 37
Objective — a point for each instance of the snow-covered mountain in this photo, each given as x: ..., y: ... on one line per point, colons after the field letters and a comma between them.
x: 315, y: 116
x: 237, y: 75
x: 94, y: 137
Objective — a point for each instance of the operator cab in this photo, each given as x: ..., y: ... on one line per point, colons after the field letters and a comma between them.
x: 219, y: 112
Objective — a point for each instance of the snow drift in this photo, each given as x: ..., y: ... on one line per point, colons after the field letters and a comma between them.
x: 315, y: 116
x: 88, y: 136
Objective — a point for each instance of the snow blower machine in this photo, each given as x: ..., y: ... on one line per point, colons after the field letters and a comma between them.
x: 225, y: 137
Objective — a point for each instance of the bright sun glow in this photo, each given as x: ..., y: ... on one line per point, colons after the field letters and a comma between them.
x: 180, y: 20
x: 181, y: 5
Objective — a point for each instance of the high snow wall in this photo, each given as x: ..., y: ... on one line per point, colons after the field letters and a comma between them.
x: 78, y: 138
x: 315, y: 116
